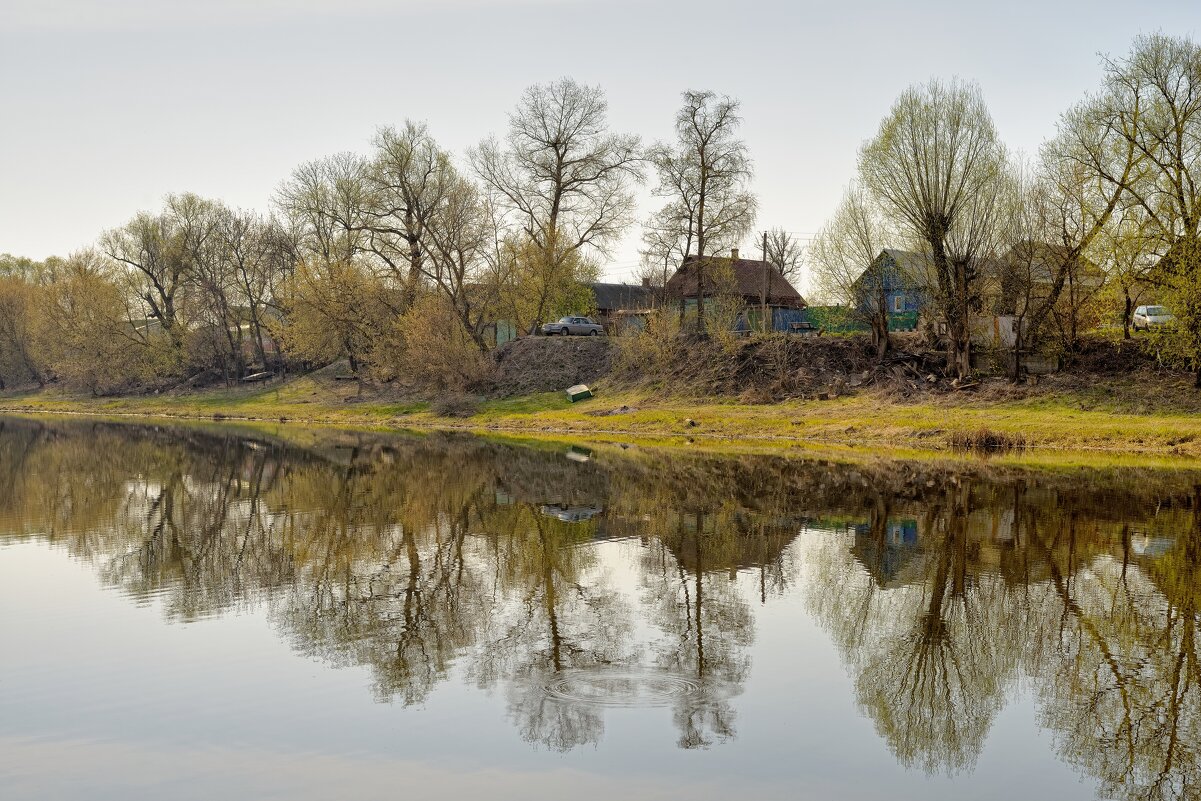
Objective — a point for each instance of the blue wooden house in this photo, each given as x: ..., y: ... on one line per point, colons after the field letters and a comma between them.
x: 904, y: 276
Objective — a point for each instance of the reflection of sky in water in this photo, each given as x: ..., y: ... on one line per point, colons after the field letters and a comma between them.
x: 772, y: 673
x: 102, y: 700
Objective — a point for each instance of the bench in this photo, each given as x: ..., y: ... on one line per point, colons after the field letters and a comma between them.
x: 804, y: 329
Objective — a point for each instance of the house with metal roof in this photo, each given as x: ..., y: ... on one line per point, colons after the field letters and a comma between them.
x: 618, y: 304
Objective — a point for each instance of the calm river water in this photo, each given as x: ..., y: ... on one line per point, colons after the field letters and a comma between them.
x: 210, y: 613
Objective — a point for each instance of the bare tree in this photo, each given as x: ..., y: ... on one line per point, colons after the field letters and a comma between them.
x: 704, y: 180
x: 460, y: 237
x: 408, y: 180
x: 935, y: 166
x: 661, y: 253
x: 562, y: 180
x: 260, y: 257
x: 163, y: 253
x: 786, y: 253
x: 1080, y: 204
x: 844, y: 257
x: 326, y: 202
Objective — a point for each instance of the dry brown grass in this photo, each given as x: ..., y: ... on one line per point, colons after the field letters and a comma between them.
x: 984, y: 440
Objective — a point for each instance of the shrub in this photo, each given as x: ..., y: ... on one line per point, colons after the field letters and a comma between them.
x: 433, y: 348
x: 987, y: 441
x: 454, y: 404
x: 654, y: 349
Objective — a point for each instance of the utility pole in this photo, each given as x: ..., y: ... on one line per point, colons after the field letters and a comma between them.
x: 763, y: 294
x: 663, y: 288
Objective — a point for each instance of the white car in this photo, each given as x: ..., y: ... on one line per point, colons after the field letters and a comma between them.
x: 573, y: 326
x: 1148, y: 317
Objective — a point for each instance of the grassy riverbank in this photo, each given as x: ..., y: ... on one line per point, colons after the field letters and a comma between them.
x: 1118, y: 420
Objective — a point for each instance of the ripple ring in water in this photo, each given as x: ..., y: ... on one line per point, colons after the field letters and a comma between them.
x: 620, y: 688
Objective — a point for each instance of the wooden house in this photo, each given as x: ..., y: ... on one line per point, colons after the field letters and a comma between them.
x: 755, y: 283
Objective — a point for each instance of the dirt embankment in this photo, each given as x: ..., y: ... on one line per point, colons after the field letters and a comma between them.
x: 777, y: 367
x: 764, y: 370
x: 546, y: 364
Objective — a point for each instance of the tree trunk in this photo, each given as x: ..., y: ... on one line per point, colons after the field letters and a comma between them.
x: 1127, y: 314
x: 959, y: 352
x: 702, y: 195
x: 259, y: 347
x: 880, y: 339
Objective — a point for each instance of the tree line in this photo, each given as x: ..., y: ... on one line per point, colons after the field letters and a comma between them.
x: 404, y: 259
x: 1111, y: 199
x: 400, y: 260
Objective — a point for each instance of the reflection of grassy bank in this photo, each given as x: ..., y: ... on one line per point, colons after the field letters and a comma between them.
x: 1064, y: 428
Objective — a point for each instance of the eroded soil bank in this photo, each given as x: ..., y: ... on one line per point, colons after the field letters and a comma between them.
x: 1112, y: 398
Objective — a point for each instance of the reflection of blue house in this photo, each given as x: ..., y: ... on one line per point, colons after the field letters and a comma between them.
x: 886, y: 554
x: 902, y: 276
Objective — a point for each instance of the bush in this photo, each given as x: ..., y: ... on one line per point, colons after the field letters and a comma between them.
x: 455, y: 405
x: 654, y: 349
x: 86, y: 338
x: 987, y: 441
x: 433, y: 349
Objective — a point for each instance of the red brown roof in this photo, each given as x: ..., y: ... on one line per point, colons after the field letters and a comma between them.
x: 748, y: 280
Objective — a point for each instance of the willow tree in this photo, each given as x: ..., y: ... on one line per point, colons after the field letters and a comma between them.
x: 1155, y: 96
x: 935, y: 167
x: 1067, y: 209
x: 704, y: 178
x: 163, y: 255
x: 325, y: 202
x: 429, y: 227
x: 408, y: 178
x: 18, y: 303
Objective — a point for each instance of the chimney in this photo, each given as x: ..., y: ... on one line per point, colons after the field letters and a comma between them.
x: 734, y: 253
x: 646, y: 281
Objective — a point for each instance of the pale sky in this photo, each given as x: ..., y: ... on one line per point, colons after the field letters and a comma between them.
x: 108, y: 105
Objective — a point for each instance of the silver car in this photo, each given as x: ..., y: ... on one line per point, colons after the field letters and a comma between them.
x: 573, y: 326
x: 1147, y: 317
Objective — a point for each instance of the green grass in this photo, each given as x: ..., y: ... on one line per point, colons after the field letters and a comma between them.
x: 1114, y: 423
x: 528, y: 404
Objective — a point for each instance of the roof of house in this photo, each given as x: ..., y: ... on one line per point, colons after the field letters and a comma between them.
x: 914, y: 266
x: 917, y: 268
x: 619, y: 297
x: 748, y: 279
x: 913, y: 270
x: 1042, y: 261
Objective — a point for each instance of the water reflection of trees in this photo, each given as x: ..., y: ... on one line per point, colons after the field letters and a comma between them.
x: 419, y: 556
x: 1011, y: 579
x: 402, y: 554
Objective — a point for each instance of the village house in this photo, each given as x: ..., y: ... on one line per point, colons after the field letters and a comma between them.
x: 1022, y: 278
x: 755, y: 283
x: 903, y: 275
x: 619, y: 306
